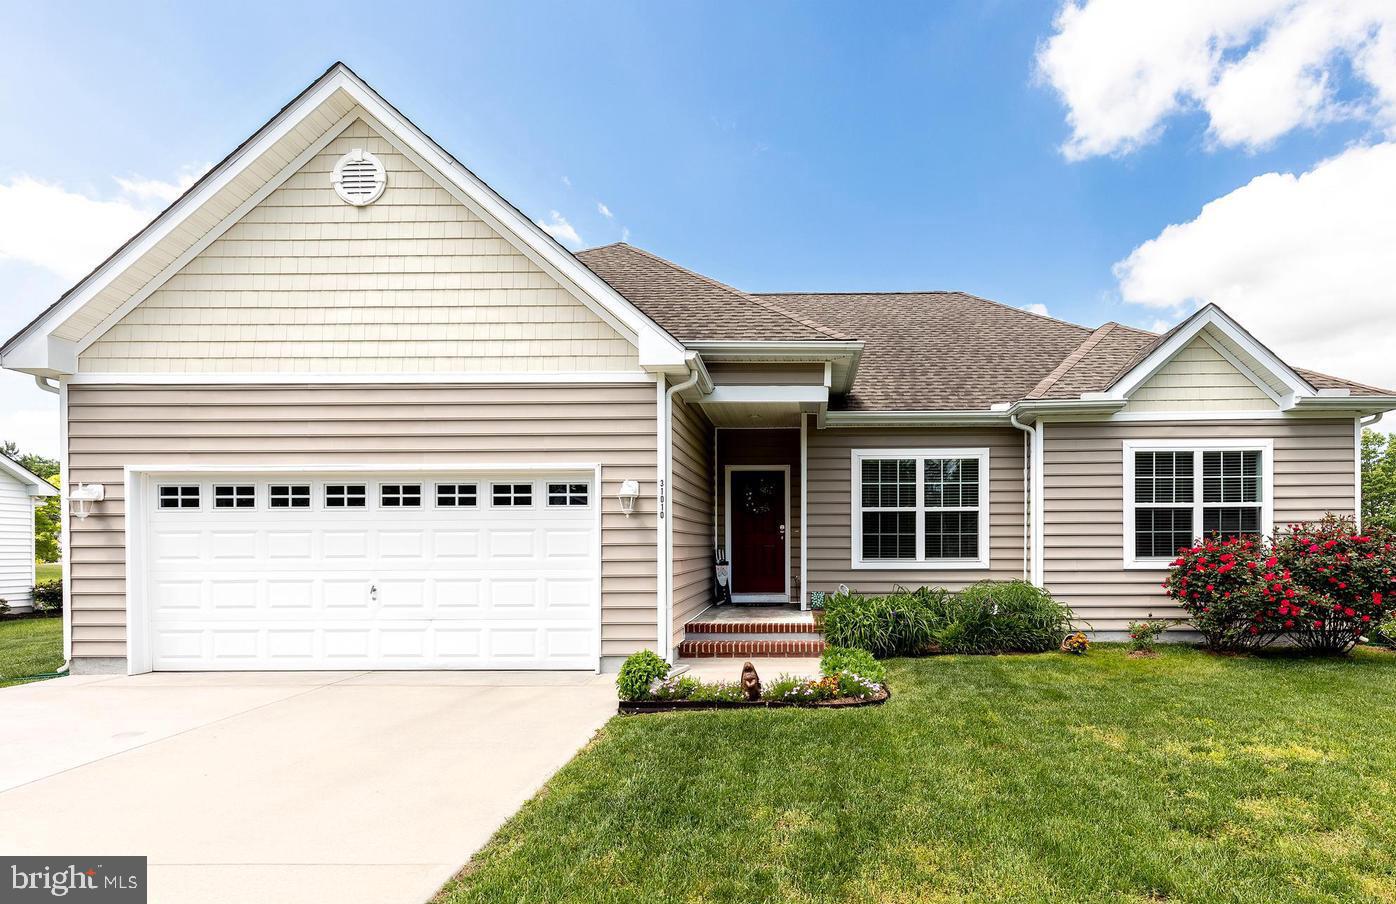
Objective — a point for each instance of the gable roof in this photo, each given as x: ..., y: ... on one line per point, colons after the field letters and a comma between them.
x: 694, y: 307
x: 35, y: 484
x: 49, y: 345
x: 922, y: 351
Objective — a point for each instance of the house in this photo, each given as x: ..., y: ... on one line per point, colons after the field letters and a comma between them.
x: 346, y: 407
x: 20, y: 492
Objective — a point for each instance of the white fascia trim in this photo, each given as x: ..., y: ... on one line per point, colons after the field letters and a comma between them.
x: 914, y: 418
x: 920, y: 563
x: 1345, y: 405
x: 295, y: 379
x: 35, y: 484
x: 172, y: 218
x: 848, y: 353
x: 218, y: 231
x: 1215, y: 317
x: 815, y: 395
x: 1199, y: 444
x: 656, y: 346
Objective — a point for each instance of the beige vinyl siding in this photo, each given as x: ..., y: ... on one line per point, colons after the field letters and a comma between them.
x: 829, y: 489
x: 762, y: 447
x: 110, y: 427
x: 1084, y: 529
x: 221, y: 205
x: 732, y: 374
x: 413, y: 283
x: 691, y: 507
x: 1199, y: 378
x: 16, y: 543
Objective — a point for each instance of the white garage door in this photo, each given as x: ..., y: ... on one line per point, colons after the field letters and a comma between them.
x: 389, y: 571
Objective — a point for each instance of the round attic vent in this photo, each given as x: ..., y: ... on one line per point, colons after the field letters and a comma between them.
x: 359, y: 178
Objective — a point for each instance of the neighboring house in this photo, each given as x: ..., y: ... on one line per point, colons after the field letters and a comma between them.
x: 20, y: 492
x: 351, y: 409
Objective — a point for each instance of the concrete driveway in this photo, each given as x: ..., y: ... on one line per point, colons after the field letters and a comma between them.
x: 290, y: 787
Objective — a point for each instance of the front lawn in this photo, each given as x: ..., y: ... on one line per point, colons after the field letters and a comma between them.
x: 29, y: 646
x: 1189, y: 777
x: 48, y: 571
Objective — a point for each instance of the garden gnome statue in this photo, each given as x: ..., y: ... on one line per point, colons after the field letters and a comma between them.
x: 751, y: 682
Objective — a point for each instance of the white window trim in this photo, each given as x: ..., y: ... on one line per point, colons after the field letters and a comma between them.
x: 436, y: 494
x: 234, y: 485
x: 513, y: 507
x: 920, y: 563
x: 422, y: 490
x: 1266, y: 448
x: 199, y: 498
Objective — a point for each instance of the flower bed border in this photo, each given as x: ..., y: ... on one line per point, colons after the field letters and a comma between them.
x: 640, y: 707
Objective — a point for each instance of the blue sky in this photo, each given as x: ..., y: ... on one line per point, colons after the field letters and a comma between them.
x: 774, y: 146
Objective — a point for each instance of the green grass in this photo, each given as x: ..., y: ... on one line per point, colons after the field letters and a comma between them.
x: 48, y: 571
x: 1048, y: 778
x: 29, y: 646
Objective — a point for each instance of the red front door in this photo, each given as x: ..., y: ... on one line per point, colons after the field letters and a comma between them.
x: 758, y: 532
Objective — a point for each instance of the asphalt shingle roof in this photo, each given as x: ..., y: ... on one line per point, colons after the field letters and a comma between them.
x: 922, y: 351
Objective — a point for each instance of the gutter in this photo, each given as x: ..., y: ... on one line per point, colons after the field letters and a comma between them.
x: 1030, y: 523
x: 696, y: 375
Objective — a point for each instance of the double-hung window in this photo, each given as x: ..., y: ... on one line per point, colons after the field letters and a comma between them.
x: 1181, y: 491
x: 921, y: 508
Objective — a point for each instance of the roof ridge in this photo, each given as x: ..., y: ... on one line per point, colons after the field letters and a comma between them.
x: 1072, y: 359
x: 814, y: 325
x: 969, y: 295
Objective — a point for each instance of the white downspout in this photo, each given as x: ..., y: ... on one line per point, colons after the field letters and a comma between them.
x: 666, y: 483
x: 1029, y: 510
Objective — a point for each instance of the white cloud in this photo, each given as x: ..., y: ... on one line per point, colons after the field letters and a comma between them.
x: 625, y: 233
x: 1036, y: 308
x: 567, y: 181
x: 144, y: 189
x: 560, y: 229
x: 67, y: 232
x: 604, y: 211
x: 1256, y: 68
x: 1305, y: 262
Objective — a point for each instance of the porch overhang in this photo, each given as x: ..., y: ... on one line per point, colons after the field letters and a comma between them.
x: 763, y: 406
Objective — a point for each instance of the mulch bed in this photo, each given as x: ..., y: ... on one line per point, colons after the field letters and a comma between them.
x: 639, y: 707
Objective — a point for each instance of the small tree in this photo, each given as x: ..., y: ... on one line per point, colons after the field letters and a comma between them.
x: 1378, y: 480
x: 1347, y: 578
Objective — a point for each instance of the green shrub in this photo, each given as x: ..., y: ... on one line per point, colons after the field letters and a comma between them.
x: 849, y: 659
x: 638, y: 673
x: 903, y: 623
x: 678, y: 688
x: 717, y: 692
x: 1003, y: 617
x: 48, y: 597
x: 1144, y: 635
x: 781, y: 687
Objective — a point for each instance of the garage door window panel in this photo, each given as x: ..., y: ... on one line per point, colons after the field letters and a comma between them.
x: 511, y: 495
x: 179, y: 496
x: 456, y: 495
x: 289, y: 496
x: 568, y: 494
x: 346, y: 495
x: 400, y: 495
x: 234, y: 496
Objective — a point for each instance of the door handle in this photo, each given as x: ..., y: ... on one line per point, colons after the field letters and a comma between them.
x: 782, y: 530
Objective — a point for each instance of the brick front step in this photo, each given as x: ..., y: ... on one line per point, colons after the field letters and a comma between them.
x: 751, y: 627
x: 743, y: 649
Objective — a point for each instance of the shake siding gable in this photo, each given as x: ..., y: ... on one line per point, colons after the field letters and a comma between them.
x: 1199, y: 378
x: 111, y: 427
x: 412, y: 283
x: 1085, y: 531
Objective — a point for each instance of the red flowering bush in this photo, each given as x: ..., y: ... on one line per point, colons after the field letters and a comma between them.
x: 1235, y: 590
x: 1346, y: 580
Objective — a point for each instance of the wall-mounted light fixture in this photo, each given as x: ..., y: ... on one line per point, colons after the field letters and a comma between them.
x: 628, y: 493
x: 83, y: 496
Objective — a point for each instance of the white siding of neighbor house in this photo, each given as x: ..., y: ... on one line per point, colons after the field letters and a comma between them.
x: 111, y: 427
x: 413, y: 283
x: 16, y: 543
x: 1084, y: 530
x: 1200, y: 378
x: 692, y: 511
